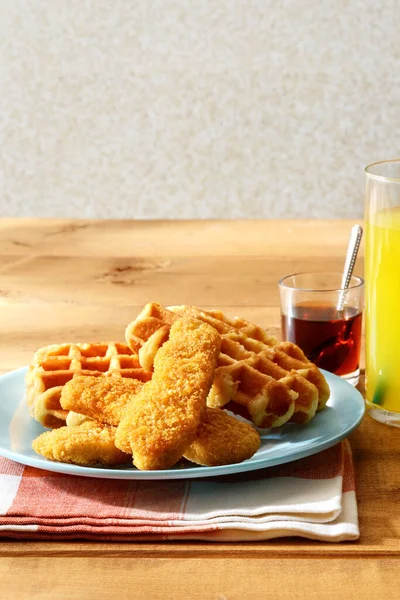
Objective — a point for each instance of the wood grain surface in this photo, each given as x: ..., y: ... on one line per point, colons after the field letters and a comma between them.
x: 85, y: 280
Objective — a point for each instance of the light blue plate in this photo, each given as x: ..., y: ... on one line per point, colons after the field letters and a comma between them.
x: 343, y: 413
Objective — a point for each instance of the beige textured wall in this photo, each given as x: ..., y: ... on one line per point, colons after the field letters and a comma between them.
x: 195, y: 108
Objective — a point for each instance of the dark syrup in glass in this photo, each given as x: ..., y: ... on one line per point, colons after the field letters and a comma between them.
x: 329, y: 338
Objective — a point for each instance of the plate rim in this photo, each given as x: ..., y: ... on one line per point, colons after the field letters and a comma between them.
x: 197, y: 471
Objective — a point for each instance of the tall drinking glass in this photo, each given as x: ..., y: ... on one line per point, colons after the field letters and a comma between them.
x: 382, y: 278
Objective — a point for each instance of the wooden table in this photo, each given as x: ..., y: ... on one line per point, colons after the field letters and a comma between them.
x: 85, y: 280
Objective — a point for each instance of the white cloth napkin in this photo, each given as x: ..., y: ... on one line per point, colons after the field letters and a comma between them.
x: 313, y: 498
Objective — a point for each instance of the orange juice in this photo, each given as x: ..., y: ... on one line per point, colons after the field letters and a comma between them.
x: 382, y: 278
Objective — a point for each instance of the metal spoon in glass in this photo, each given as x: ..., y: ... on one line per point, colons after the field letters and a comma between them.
x: 336, y: 349
x: 351, y: 256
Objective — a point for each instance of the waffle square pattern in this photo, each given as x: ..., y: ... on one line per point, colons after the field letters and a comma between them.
x: 267, y: 381
x: 53, y: 366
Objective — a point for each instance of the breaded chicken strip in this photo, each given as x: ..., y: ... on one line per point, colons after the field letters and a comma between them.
x: 88, y: 444
x: 101, y: 398
x: 161, y: 421
x: 222, y: 440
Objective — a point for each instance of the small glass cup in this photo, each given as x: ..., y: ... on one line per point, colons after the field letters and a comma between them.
x: 324, y: 319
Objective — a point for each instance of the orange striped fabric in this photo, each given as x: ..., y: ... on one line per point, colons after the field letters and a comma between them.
x: 313, y: 497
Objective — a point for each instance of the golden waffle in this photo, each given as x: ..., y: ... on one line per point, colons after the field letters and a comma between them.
x: 268, y: 381
x: 54, y: 365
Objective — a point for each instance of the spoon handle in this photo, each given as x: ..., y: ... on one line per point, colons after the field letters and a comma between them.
x: 352, y: 251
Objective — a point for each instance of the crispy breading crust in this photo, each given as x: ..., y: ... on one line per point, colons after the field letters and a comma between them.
x: 88, y: 444
x: 162, y: 419
x: 101, y: 398
x: 222, y: 440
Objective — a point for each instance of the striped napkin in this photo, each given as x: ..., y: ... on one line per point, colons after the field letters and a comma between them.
x: 313, y: 498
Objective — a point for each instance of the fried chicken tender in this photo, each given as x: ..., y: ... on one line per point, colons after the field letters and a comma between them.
x: 101, y: 398
x: 161, y: 420
x: 88, y: 444
x: 222, y: 440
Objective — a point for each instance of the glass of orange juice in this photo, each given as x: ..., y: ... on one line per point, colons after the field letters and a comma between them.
x: 382, y: 279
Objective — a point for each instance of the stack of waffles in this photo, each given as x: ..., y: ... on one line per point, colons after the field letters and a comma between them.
x: 268, y: 382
